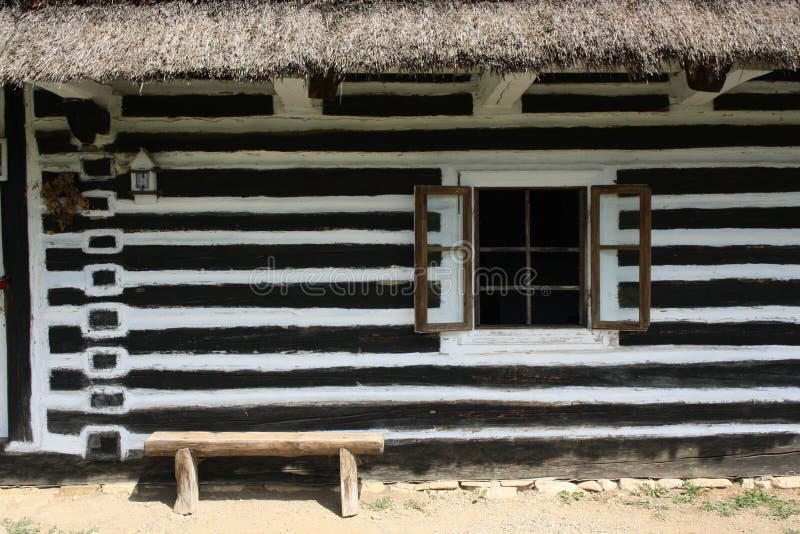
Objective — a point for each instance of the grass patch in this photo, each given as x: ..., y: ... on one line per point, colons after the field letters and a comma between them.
x: 689, y: 495
x: 27, y: 526
x: 481, y: 493
x: 654, y: 492
x: 384, y: 503
x: 757, y: 498
x: 568, y: 498
x: 415, y: 505
x: 23, y: 526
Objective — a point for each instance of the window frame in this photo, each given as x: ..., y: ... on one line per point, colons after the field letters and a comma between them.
x: 421, y: 250
x: 643, y: 248
x: 582, y: 254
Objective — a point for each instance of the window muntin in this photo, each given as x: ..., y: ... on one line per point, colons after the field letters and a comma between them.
x: 531, y: 257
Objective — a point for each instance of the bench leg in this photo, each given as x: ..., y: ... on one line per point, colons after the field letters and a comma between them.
x: 348, y: 475
x: 186, y: 478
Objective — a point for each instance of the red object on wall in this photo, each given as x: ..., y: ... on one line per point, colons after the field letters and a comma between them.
x: 2, y: 283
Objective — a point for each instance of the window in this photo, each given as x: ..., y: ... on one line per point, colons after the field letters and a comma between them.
x: 531, y: 257
x: 621, y: 257
x: 442, y: 258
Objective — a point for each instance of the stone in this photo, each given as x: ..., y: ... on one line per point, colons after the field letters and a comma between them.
x: 607, y: 485
x: 670, y: 483
x: 717, y: 483
x: 443, y: 485
x: 551, y: 487
x: 748, y: 484
x: 500, y: 492
x: 372, y: 486
x: 786, y: 482
x: 591, y: 486
x: 764, y: 484
x: 82, y: 489
x: 633, y: 485
x: 517, y: 483
x: 119, y: 488
x: 472, y: 484
x: 408, y: 486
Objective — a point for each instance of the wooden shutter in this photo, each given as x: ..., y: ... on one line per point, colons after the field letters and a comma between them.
x: 442, y: 258
x: 620, y: 257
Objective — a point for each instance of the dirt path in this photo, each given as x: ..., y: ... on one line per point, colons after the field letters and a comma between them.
x: 401, y: 511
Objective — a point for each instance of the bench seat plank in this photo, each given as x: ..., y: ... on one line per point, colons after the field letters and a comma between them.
x: 287, y: 444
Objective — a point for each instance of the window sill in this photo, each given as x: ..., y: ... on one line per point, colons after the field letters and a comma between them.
x: 528, y: 340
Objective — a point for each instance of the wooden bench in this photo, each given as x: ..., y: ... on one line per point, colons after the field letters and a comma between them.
x: 189, y: 447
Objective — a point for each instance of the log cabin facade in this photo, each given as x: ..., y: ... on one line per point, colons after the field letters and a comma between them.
x: 319, y: 252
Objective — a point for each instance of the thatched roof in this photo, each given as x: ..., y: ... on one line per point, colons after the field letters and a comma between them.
x: 248, y: 39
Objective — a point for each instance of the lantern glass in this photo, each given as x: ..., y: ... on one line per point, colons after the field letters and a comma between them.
x: 141, y: 180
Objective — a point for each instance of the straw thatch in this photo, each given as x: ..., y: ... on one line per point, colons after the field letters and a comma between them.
x: 56, y: 41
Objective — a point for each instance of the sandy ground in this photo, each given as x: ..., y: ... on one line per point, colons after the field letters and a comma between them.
x: 392, y: 511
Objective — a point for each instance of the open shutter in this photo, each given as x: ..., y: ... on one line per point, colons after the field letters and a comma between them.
x: 620, y: 258
x: 442, y: 258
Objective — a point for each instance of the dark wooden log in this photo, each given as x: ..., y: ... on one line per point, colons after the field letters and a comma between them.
x: 714, y: 180
x: 732, y: 334
x: 244, y: 222
x: 533, y: 138
x: 346, y: 294
x: 699, y: 255
x: 236, y: 257
x: 725, y: 455
x: 566, y: 103
x: 757, y: 102
x: 425, y: 415
x: 688, y: 375
x: 239, y: 105
x: 399, y: 105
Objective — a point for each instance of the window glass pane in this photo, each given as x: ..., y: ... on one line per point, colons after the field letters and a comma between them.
x: 508, y: 308
x: 446, y: 290
x: 502, y: 218
x: 556, y: 268
x: 445, y: 220
x: 555, y: 217
x: 555, y: 307
x: 612, y: 221
x: 500, y: 268
x: 619, y: 285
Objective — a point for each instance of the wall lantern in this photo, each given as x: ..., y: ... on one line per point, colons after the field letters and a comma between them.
x: 143, y: 177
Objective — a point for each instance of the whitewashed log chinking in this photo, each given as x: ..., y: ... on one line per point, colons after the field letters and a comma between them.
x: 142, y: 316
x: 180, y: 341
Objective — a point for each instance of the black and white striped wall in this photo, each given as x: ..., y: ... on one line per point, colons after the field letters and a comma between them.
x: 144, y: 318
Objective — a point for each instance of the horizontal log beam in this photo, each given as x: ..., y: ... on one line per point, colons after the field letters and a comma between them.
x: 285, y: 444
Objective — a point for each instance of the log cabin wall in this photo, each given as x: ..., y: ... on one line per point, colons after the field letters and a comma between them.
x: 145, y: 318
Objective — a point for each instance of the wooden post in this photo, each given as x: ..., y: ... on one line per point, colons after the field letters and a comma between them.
x: 348, y: 475
x: 186, y: 478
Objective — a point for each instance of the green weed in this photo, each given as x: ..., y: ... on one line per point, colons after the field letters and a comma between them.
x: 654, y: 492
x: 27, y: 526
x: 415, y: 505
x: 690, y: 493
x: 778, y: 508
x: 384, y: 503
x: 568, y: 498
x: 481, y: 492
